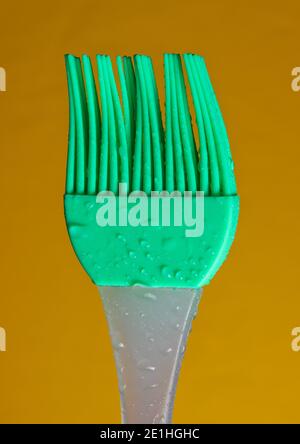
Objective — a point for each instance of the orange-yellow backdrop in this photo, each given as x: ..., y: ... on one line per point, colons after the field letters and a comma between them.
x: 239, y: 365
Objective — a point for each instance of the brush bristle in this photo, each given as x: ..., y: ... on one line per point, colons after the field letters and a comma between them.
x: 114, y: 141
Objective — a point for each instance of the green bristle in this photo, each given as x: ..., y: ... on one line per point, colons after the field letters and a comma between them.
x: 113, y: 140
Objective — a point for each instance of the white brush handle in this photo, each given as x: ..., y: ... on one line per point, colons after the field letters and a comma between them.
x: 149, y: 329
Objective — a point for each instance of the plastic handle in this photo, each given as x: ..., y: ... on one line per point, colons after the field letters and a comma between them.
x: 149, y: 329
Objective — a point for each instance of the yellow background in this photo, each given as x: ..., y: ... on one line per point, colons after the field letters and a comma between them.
x: 239, y: 365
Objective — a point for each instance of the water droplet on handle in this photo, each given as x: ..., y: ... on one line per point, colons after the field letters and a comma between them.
x: 151, y: 296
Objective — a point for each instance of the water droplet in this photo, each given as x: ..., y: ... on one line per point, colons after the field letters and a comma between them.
x: 89, y: 205
x: 132, y: 254
x: 166, y: 271
x: 158, y: 419
x: 119, y: 346
x: 151, y: 368
x: 149, y: 295
x: 179, y: 275
x: 144, y: 243
x: 121, y: 237
x: 74, y: 230
x: 137, y: 284
x: 155, y: 419
x: 150, y: 257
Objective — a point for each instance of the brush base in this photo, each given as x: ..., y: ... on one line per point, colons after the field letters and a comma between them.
x: 166, y: 255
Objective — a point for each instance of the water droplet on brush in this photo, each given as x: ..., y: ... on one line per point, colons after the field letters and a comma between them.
x: 168, y: 350
x: 193, y: 261
x: 158, y: 419
x: 144, y: 243
x: 121, y: 237
x: 167, y: 272
x: 150, y: 257
x: 89, y: 205
x: 151, y: 386
x: 151, y: 296
x: 179, y: 275
x: 74, y: 230
x: 119, y: 346
x: 144, y: 364
x: 132, y: 254
x: 137, y: 284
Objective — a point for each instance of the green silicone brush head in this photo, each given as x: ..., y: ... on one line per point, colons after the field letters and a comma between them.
x: 145, y: 203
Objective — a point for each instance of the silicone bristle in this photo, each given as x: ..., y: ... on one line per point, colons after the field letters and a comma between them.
x: 94, y: 126
x: 80, y: 132
x: 120, y: 137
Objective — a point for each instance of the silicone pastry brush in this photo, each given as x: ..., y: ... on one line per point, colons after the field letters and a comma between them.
x: 150, y: 254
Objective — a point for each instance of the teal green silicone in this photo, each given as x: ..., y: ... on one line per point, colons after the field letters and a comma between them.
x: 151, y: 256
x: 121, y: 138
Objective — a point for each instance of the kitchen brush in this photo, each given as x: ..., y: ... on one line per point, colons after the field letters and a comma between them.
x: 151, y: 212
